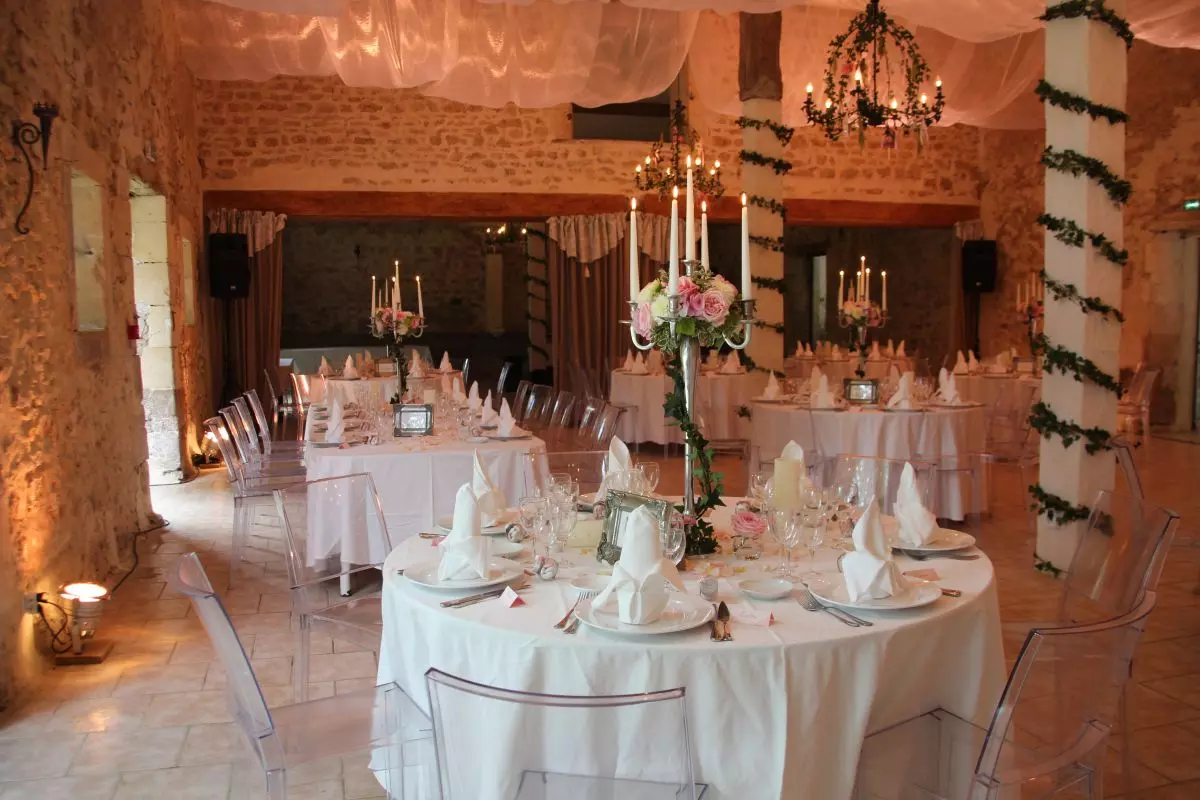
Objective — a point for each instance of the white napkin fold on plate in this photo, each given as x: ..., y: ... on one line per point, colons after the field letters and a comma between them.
x: 324, y: 370
x: 507, y: 426
x: 464, y: 551
x: 836, y: 354
x: 875, y: 355
x: 900, y: 350
x: 348, y: 369
x: 447, y: 384
x: 814, y: 378
x: 639, y: 366
x: 947, y: 391
x: 628, y: 365
x: 654, y: 362
x: 617, y: 459
x: 903, y: 396
x: 473, y: 402
x: 416, y: 367
x: 869, y: 570
x: 641, y: 574
x: 492, y: 502
x: 460, y: 399
x: 489, y: 417
x: 894, y: 374
x: 808, y: 351
x: 972, y: 362
x: 917, y: 523
x: 960, y: 364
x: 444, y: 366
x: 890, y: 350
x: 714, y: 359
x: 733, y: 364
x: 335, y: 428
x: 822, y: 397
x: 772, y: 390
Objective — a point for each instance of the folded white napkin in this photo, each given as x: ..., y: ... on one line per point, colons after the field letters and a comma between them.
x: 875, y: 355
x: 460, y: 399
x: 960, y: 364
x: 464, y: 551
x: 972, y: 362
x: 808, y: 351
x: 335, y: 428
x: 639, y: 366
x: 447, y: 384
x: 917, y: 523
x: 772, y: 390
x: 641, y: 574
x: 654, y: 362
x: 507, y: 426
x: 369, y: 361
x: 947, y: 391
x: 903, y: 396
x: 894, y: 374
x: 492, y: 502
x: 473, y: 402
x: 348, y: 369
x: 733, y: 364
x: 869, y: 570
x: 814, y: 378
x: 628, y: 365
x: 444, y: 366
x: 324, y: 370
x: 822, y: 397
x: 900, y: 350
x: 617, y: 459
x: 890, y: 351
x: 416, y: 367
x: 836, y: 353
x: 799, y: 349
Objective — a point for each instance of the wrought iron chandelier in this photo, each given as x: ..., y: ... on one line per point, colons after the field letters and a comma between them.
x: 666, y: 165
x: 873, y: 51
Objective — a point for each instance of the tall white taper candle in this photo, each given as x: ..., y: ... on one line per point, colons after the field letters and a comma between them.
x: 841, y: 287
x: 396, y: 303
x: 420, y: 300
x: 372, y: 297
x: 884, y: 276
x: 673, y: 247
x: 704, y: 233
x: 746, y: 286
x: 689, y: 244
x: 633, y: 253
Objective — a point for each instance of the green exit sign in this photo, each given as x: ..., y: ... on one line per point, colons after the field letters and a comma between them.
x: 1192, y: 204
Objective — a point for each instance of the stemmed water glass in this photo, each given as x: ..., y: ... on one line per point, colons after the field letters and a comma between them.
x: 650, y: 472
x: 673, y: 537
x: 760, y: 487
x: 812, y: 523
x: 535, y: 517
x: 779, y: 520
x: 562, y: 521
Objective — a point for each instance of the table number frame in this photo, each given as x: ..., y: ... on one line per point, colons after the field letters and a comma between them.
x: 412, y: 419
x: 617, y: 505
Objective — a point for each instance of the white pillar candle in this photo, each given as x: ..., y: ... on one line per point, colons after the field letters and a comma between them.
x: 689, y: 245
x: 372, y: 297
x: 673, y: 251
x: 704, y: 233
x: 884, y: 276
x: 841, y: 287
x: 633, y: 253
x: 746, y: 292
x: 786, y: 480
x: 420, y: 300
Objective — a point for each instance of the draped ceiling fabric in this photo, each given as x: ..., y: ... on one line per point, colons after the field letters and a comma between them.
x: 590, y: 237
x: 538, y: 53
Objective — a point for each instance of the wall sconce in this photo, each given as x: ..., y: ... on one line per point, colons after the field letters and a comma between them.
x: 25, y: 134
x: 83, y: 604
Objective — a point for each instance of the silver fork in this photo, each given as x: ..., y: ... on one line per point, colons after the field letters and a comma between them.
x: 572, y: 627
x: 812, y: 604
x: 951, y: 556
x: 562, y: 623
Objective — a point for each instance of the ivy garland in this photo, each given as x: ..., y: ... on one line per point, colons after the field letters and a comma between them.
x: 768, y: 242
x: 1056, y: 358
x: 772, y: 284
x: 700, y: 538
x: 783, y: 134
x: 781, y: 165
x: 770, y: 204
x: 775, y: 326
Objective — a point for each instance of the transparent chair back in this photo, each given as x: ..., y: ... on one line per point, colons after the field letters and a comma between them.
x: 541, y: 746
x: 229, y: 454
x: 1119, y: 557
x: 538, y: 404
x: 519, y: 399
x: 1128, y: 467
x: 867, y: 478
x: 563, y: 411
x: 585, y: 466
x: 502, y: 382
x: 300, y: 385
x: 606, y: 426
x: 588, y: 417
x: 249, y: 427
x: 241, y: 440
x: 260, y: 417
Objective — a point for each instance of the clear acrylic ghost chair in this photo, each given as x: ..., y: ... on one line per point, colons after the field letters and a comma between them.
x: 505, y: 368
x: 960, y: 491
x: 522, y: 394
x: 592, y: 407
x: 270, y: 447
x: 1133, y: 412
x: 606, y: 427
x: 562, y: 747
x: 585, y: 466
x: 245, y: 434
x: 350, y: 506
x: 559, y: 418
x: 861, y: 479
x: 303, y: 395
x: 1047, y: 736
x: 381, y: 720
x: 538, y: 405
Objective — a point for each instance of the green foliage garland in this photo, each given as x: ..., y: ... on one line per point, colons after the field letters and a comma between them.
x: 774, y: 206
x: 771, y: 284
x: 1059, y: 359
x: 783, y: 134
x: 781, y: 165
x: 767, y: 242
x: 743, y: 412
x: 700, y: 536
x: 1078, y: 104
x: 774, y: 326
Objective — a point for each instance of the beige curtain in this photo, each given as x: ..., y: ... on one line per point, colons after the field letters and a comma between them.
x: 588, y: 302
x: 256, y: 320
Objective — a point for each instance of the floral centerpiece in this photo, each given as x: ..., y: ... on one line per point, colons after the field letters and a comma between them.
x: 387, y: 323
x: 707, y: 311
x: 860, y: 316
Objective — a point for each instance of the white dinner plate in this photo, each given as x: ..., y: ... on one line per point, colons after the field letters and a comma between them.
x: 683, y: 612
x: 777, y: 401
x: 506, y: 549
x: 767, y: 588
x: 903, y: 410
x: 590, y: 585
x: 498, y: 438
x: 830, y: 587
x: 953, y: 406
x: 507, y: 516
x: 944, y: 541
x: 339, y: 378
x: 500, y: 570
x: 477, y: 439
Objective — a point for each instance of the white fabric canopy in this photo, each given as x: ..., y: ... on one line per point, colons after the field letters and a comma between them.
x: 538, y: 53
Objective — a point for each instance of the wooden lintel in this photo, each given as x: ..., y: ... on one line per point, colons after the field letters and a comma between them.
x: 488, y: 206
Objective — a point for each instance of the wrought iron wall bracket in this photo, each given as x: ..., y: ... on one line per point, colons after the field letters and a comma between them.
x: 24, y: 135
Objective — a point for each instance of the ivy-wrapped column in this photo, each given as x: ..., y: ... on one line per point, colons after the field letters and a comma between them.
x: 760, y: 85
x: 1084, y: 94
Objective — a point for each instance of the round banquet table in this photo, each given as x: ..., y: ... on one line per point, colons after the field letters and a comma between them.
x: 321, y: 390
x: 416, y: 478
x: 717, y: 398
x: 931, y: 434
x: 987, y: 389
x: 779, y: 712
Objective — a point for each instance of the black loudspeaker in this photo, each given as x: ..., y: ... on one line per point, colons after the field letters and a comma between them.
x: 228, y: 265
x: 979, y: 265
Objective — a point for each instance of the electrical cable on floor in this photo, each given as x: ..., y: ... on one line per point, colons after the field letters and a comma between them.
x: 55, y: 634
x: 136, y: 534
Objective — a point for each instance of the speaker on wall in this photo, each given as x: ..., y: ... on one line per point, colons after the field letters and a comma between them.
x: 228, y: 265
x: 979, y: 265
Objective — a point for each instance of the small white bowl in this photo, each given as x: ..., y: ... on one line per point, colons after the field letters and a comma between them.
x: 766, y: 588
x: 590, y: 585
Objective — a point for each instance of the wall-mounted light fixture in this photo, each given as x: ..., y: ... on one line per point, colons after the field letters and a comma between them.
x: 24, y: 135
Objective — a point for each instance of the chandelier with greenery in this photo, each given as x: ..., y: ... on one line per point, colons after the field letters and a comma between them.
x: 666, y: 165
x: 873, y: 52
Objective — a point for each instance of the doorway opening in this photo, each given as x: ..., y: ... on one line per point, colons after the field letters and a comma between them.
x: 161, y: 395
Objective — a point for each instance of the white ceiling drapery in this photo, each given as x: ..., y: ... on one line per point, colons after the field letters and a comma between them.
x: 540, y: 53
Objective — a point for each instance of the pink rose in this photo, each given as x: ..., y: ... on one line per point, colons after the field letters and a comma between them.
x: 687, y: 290
x: 714, y: 307
x: 643, y: 321
x: 747, y: 523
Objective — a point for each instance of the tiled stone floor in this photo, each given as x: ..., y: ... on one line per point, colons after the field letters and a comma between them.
x: 151, y: 722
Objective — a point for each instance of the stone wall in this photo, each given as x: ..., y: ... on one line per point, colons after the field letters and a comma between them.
x: 73, y: 472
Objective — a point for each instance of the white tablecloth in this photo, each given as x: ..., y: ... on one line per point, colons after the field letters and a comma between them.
x: 324, y: 390
x: 780, y: 712
x: 840, y: 370
x: 987, y: 389
x: 717, y: 398
x: 416, y: 478
x: 936, y: 433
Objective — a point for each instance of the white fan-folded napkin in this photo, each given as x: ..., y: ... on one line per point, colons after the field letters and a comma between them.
x: 900, y: 350
x: 808, y: 351
x: 348, y: 369
x: 836, y: 353
x: 822, y: 397
x: 654, y: 362
x: 628, y: 365
x: 473, y: 401
x: 324, y: 370
x: 369, y: 363
x: 890, y: 350
x: 447, y: 384
x: 507, y: 426
x: 869, y: 570
x: 464, y: 551
x: 489, y: 416
x: 617, y: 459
x: 799, y: 349
x: 639, y: 366
x: 903, y: 396
x: 492, y: 502
x: 460, y: 398
x: 772, y: 390
x: 917, y: 523
x: 960, y: 364
x: 641, y: 574
x: 733, y: 364
x: 335, y: 428
x: 814, y: 378
x: 416, y: 367
x: 972, y: 362
x: 444, y: 366
x: 947, y: 391
x: 894, y: 374
x: 875, y: 355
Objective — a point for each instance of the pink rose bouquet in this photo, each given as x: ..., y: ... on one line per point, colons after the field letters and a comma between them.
x: 749, y: 524
x: 707, y: 310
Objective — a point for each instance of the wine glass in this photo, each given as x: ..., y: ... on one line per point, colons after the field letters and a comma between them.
x: 673, y: 537
x: 650, y: 471
x: 812, y: 518
x: 533, y: 514
x: 563, y: 519
x: 760, y: 484
x: 778, y: 520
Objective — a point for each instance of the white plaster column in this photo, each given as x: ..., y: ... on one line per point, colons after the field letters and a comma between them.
x: 766, y: 346
x: 1088, y: 59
